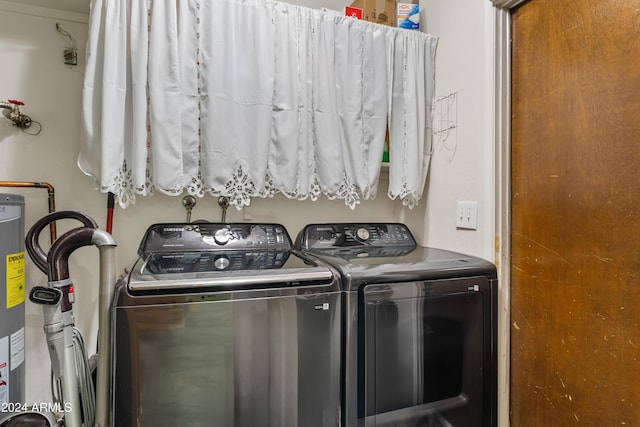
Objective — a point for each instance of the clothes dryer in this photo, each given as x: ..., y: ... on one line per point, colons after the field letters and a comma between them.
x: 420, y: 331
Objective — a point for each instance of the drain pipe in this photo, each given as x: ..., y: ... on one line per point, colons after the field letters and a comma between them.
x: 106, y: 246
x: 50, y: 191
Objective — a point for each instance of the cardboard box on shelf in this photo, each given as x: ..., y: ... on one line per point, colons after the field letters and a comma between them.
x: 408, y: 16
x: 353, y: 12
x: 378, y: 11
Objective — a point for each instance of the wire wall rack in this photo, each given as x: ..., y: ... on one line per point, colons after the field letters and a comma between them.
x: 445, y: 117
x: 445, y: 123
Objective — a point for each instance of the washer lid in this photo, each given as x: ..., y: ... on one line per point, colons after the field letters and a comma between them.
x: 418, y: 265
x: 209, y: 273
x: 389, y: 255
x: 215, y: 256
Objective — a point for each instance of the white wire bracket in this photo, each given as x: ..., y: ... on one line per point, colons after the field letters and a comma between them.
x: 445, y: 113
x: 445, y: 122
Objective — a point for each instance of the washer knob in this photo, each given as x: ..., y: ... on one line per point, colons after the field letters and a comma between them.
x: 222, y: 236
x: 362, y: 234
x: 221, y: 262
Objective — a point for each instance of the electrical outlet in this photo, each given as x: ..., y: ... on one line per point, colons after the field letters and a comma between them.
x: 71, y: 56
x: 467, y: 215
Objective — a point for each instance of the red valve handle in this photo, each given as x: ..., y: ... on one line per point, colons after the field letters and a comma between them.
x: 16, y: 102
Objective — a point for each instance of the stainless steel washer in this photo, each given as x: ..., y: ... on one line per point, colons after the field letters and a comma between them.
x: 222, y: 325
x: 420, y: 327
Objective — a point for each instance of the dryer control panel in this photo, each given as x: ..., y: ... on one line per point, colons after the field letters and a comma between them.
x: 376, y: 239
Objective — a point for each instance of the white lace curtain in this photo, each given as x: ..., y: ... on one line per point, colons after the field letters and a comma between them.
x: 248, y: 98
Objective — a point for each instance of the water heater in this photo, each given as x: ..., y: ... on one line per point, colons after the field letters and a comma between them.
x: 12, y: 295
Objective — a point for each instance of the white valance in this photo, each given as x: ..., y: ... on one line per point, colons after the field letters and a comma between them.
x: 248, y: 98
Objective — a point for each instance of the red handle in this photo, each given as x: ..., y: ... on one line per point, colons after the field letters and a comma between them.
x: 16, y: 102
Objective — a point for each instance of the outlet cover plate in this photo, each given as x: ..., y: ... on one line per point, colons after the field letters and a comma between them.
x: 467, y: 215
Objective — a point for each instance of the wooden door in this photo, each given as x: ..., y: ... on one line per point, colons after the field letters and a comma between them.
x: 575, y: 277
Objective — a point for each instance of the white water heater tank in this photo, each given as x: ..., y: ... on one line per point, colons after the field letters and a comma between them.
x: 12, y: 296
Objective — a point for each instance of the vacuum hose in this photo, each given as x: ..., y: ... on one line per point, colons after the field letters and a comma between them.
x: 58, y: 260
x: 34, y: 249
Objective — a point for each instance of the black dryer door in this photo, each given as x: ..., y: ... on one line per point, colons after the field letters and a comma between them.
x: 427, y: 357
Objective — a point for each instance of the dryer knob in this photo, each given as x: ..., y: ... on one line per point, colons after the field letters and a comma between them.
x: 222, y: 236
x: 221, y: 263
x: 362, y: 234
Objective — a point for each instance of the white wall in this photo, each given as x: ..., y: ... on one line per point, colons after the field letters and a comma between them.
x: 462, y: 165
x: 33, y: 71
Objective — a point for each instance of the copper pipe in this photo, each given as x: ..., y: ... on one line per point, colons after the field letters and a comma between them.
x: 52, y: 198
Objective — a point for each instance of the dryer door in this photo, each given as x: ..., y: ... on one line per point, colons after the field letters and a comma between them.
x: 427, y: 358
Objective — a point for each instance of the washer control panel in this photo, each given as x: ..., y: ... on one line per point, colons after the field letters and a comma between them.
x: 377, y: 239
x: 210, y: 236
x: 203, y: 246
x: 199, y: 262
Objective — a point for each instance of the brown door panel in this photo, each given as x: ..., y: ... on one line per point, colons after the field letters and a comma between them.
x: 575, y: 278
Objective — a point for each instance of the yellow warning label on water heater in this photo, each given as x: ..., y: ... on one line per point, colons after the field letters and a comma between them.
x: 15, y: 279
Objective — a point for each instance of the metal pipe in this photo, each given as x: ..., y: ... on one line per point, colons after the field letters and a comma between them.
x: 106, y: 245
x: 223, y: 202
x: 13, y: 107
x: 50, y: 192
x: 12, y: 112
